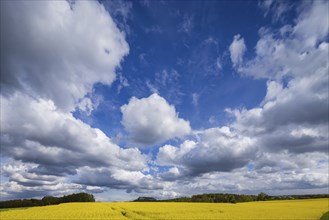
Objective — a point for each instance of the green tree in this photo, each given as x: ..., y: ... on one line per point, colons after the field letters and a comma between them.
x: 262, y: 197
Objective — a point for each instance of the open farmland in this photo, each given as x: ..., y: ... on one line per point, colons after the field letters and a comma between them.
x: 284, y: 209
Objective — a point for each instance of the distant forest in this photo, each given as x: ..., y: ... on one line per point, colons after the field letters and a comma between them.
x: 47, y: 200
x: 234, y: 198
x: 210, y: 198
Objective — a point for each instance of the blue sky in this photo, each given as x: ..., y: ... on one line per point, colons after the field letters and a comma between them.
x: 201, y: 82
x: 163, y: 98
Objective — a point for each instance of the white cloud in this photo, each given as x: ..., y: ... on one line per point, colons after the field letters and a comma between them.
x: 219, y: 149
x: 57, y: 145
x: 152, y: 120
x: 212, y: 119
x: 237, y: 50
x: 265, y: 5
x: 293, y: 118
x: 219, y: 63
x: 166, y: 77
x: 54, y: 52
x: 313, y: 25
x: 120, y: 12
x: 195, y: 99
x: 151, y: 87
x: 89, y: 103
x: 123, y: 82
x: 23, y: 182
x: 282, y: 143
x: 19, y: 172
x: 296, y: 66
x: 117, y: 7
x: 118, y: 179
x: 279, y: 145
x: 277, y: 8
x: 187, y: 24
x: 293, y: 51
x: 56, y: 141
x: 274, y: 173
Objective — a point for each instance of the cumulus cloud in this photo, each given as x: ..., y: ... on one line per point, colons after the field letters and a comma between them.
x: 52, y: 54
x: 19, y: 172
x: 57, y: 141
x: 293, y: 179
x: 237, y: 50
x: 218, y: 149
x: 290, y: 126
x: 23, y: 182
x: 294, y: 114
x: 274, y: 173
x: 57, y: 145
x: 283, y: 142
x: 293, y: 118
x: 51, y: 51
x: 118, y: 179
x: 294, y: 50
x: 279, y: 146
x: 286, y: 170
x: 152, y: 120
x: 312, y: 25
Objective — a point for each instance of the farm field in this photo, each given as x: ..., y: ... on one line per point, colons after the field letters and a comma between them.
x: 284, y: 209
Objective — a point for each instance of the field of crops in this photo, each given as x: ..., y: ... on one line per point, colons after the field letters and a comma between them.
x: 285, y: 209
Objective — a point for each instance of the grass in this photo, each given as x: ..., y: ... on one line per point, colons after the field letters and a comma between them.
x: 310, y: 209
x: 325, y: 216
x: 8, y: 209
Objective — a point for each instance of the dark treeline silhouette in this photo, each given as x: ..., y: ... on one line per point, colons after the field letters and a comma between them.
x: 145, y: 199
x: 211, y: 198
x: 221, y: 198
x: 47, y: 200
x: 234, y: 198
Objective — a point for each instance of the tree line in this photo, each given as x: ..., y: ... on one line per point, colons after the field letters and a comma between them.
x: 234, y: 198
x: 48, y: 200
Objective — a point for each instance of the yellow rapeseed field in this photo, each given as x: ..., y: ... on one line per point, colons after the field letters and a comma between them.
x: 285, y: 209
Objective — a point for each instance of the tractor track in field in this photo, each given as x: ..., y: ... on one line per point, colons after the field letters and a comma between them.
x: 133, y: 214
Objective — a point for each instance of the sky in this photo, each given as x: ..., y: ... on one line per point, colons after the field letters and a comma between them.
x: 123, y: 99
